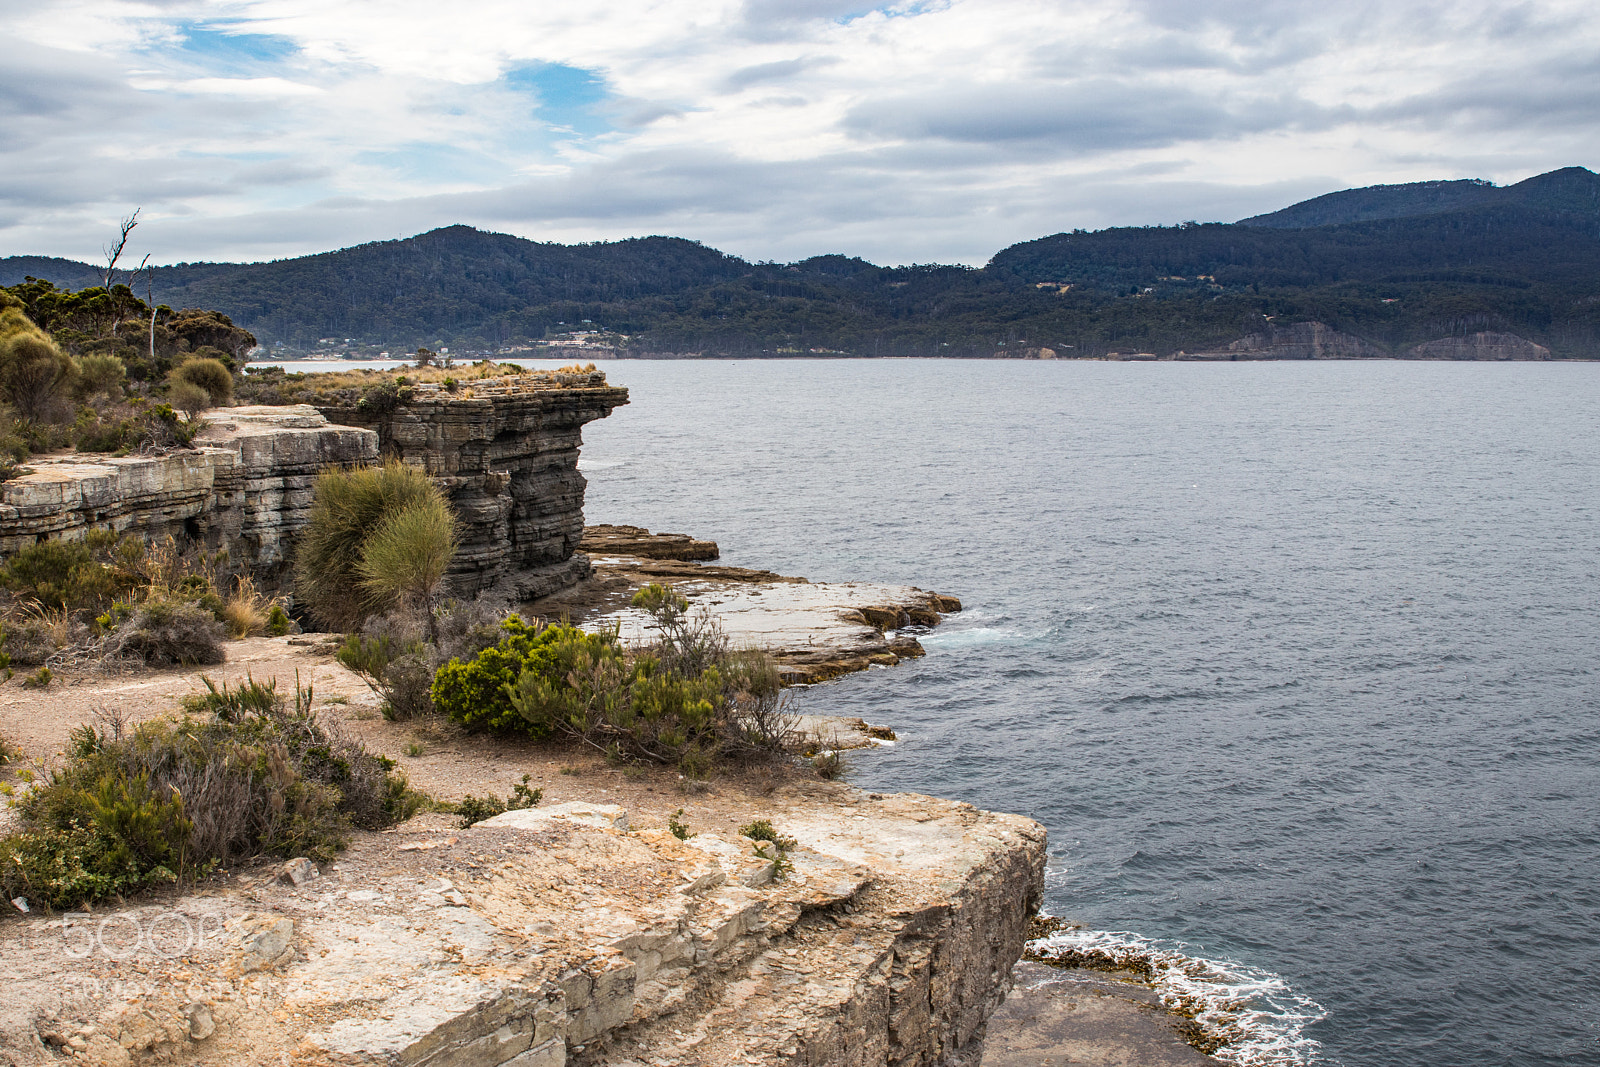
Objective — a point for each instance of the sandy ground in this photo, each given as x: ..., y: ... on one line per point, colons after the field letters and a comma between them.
x: 438, y: 758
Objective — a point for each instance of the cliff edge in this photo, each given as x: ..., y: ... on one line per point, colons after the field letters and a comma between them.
x: 882, y: 931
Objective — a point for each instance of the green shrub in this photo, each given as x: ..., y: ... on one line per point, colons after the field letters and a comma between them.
x: 234, y: 705
x: 188, y: 398
x: 211, y: 375
x: 278, y: 621
x: 396, y: 670
x: 176, y: 796
x: 41, y: 679
x: 473, y: 810
x: 475, y: 692
x: 36, y: 377
x: 101, y: 373
x: 348, y: 508
x: 575, y: 687
x: 689, y: 642
x: 70, y: 575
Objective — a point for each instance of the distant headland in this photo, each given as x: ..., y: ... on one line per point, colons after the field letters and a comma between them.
x: 1459, y: 269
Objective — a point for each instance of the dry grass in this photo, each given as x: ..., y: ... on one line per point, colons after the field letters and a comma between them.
x: 329, y: 381
x: 245, y: 612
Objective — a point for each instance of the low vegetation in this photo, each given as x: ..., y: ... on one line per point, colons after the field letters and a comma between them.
x: 380, y: 391
x: 242, y: 773
x: 101, y: 371
x: 121, y: 598
x: 688, y: 701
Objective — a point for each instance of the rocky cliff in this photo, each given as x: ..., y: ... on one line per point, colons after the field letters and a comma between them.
x: 247, y: 487
x: 884, y: 934
x: 1300, y: 340
x: 506, y: 452
x: 1484, y: 345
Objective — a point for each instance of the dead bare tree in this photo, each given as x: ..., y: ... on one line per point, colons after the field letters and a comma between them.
x: 150, y: 299
x: 114, y: 253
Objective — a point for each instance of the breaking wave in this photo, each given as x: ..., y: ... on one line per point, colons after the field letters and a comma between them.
x: 1255, y: 1018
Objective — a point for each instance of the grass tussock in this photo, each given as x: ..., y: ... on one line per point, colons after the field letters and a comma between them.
x: 378, y: 538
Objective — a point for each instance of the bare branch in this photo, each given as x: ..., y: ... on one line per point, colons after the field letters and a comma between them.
x: 114, y: 253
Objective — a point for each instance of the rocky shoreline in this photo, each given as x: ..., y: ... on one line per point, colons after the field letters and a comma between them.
x: 815, y: 630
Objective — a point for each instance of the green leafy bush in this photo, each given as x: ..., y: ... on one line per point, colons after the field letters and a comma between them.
x: 473, y: 810
x: 396, y: 670
x: 475, y: 692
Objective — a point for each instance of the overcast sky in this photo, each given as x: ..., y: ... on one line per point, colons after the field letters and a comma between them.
x: 938, y: 131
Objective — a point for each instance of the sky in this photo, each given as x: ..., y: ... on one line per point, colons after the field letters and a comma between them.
x: 929, y: 131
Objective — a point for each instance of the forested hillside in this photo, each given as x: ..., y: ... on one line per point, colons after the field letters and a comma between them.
x: 1396, y: 265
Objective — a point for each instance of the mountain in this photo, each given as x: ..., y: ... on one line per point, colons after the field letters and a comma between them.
x: 1571, y: 188
x: 1393, y: 266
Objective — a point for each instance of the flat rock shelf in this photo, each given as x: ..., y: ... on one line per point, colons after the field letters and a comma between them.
x: 815, y: 630
x: 884, y: 934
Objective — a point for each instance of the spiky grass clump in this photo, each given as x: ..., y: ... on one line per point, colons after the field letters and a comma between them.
x: 377, y: 536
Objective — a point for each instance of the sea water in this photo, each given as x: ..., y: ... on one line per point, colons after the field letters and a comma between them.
x: 1295, y: 661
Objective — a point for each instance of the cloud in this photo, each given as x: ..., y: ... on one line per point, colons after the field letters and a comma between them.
x: 903, y: 132
x: 1095, y: 116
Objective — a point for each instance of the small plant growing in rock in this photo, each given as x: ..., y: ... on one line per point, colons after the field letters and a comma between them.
x: 38, y: 680
x: 678, y: 827
x: 473, y: 810
x: 830, y: 765
x: 771, y: 845
x: 415, y: 748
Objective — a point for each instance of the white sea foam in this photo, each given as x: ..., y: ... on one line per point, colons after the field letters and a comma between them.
x: 1260, y: 1017
x: 969, y: 638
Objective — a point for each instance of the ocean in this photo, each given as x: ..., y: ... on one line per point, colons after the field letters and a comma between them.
x: 1296, y: 661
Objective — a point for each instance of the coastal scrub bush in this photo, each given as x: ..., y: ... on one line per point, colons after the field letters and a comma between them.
x: 174, y: 797
x: 560, y: 682
x: 395, y: 667
x: 170, y: 632
x: 69, y: 575
x: 473, y: 810
x: 475, y: 692
x: 188, y: 398
x: 378, y: 538
x: 210, y: 375
x: 36, y: 377
x: 101, y: 375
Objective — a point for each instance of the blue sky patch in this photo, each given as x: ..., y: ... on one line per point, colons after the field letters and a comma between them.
x: 567, y: 96
x: 216, y: 47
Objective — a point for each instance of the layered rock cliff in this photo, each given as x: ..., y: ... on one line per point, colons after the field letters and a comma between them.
x: 884, y: 934
x: 246, y: 488
x: 1480, y: 346
x: 505, y: 450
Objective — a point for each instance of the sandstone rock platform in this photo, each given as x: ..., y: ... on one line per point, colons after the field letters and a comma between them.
x: 883, y: 935
x: 815, y: 630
